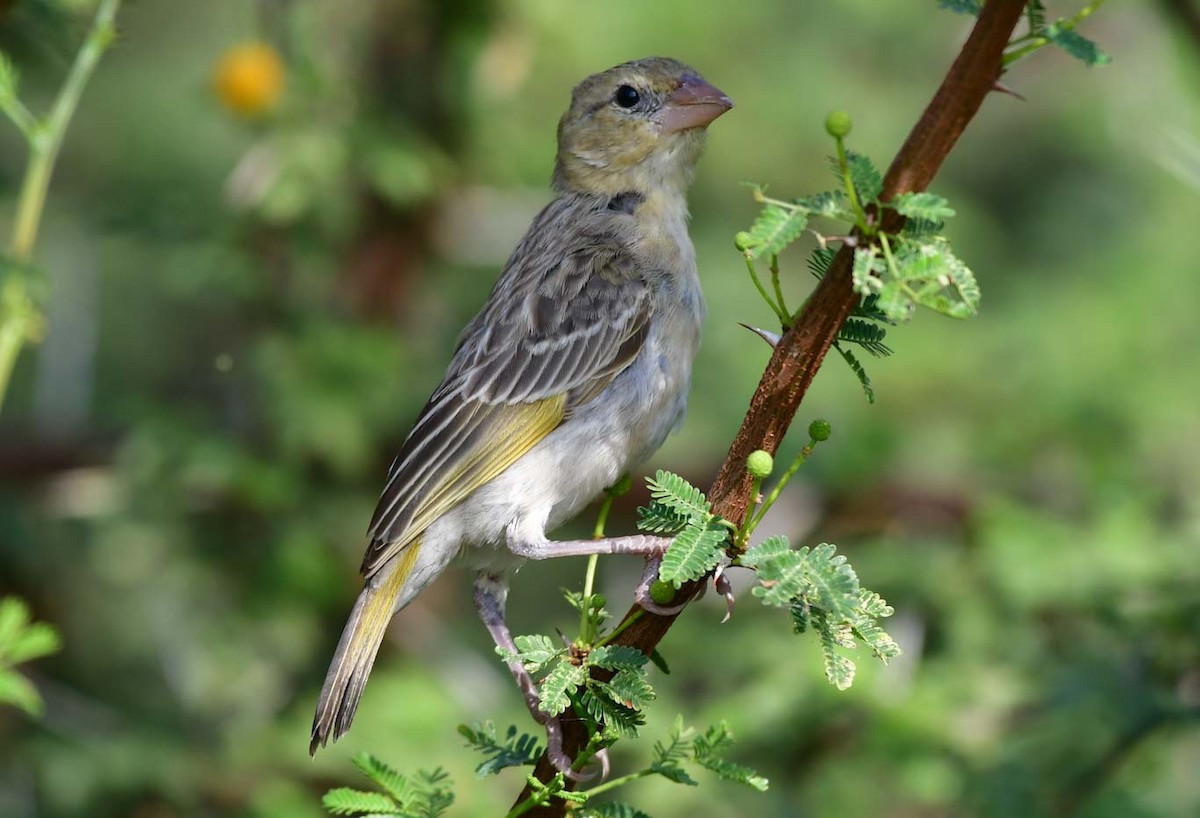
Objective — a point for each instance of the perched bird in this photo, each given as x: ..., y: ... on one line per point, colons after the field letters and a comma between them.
x: 575, y: 371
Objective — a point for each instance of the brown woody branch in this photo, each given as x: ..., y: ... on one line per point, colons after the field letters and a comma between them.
x: 799, y: 353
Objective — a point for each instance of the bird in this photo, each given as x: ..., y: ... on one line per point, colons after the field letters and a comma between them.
x: 574, y: 372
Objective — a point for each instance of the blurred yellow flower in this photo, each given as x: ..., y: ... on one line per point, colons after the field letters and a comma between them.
x: 249, y: 79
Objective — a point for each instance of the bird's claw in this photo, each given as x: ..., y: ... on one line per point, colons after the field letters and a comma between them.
x: 563, y: 763
x: 771, y: 338
x: 724, y: 588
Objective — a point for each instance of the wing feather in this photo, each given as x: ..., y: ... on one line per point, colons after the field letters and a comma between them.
x: 569, y: 313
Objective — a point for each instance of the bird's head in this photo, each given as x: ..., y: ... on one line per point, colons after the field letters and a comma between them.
x: 636, y: 127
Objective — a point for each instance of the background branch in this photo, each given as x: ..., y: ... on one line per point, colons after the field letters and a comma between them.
x: 801, y: 350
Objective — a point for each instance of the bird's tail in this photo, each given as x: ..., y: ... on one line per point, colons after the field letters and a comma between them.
x: 356, y: 651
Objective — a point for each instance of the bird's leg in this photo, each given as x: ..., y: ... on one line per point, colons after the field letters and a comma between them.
x: 491, y: 593
x: 652, y: 548
x: 639, y: 544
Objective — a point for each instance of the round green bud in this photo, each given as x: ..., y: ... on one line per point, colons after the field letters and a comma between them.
x: 760, y: 464
x: 742, y: 241
x: 662, y: 592
x: 838, y: 124
x: 598, y: 601
x: 820, y: 430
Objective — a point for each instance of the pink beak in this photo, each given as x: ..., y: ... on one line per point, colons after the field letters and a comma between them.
x: 694, y: 104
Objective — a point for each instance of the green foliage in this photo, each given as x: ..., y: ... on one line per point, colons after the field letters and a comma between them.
x: 866, y: 178
x: 22, y: 640
x: 699, y: 544
x: 707, y: 750
x: 683, y: 746
x: 972, y: 7
x: 894, y: 273
x: 925, y: 206
x: 426, y: 795
x: 823, y: 594
x: 775, y: 228
x: 921, y: 272
x: 516, y: 749
x: 1075, y: 44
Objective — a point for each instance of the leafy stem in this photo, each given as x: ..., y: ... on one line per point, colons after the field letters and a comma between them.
x: 20, y: 317
x: 779, y: 311
x: 860, y: 215
x: 1037, y: 40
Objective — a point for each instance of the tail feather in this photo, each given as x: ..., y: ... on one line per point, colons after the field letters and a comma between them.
x: 356, y: 650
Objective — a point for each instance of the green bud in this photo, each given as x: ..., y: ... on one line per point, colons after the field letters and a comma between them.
x: 742, y: 241
x: 838, y: 124
x: 598, y: 601
x: 820, y: 430
x: 662, y: 592
x: 760, y: 464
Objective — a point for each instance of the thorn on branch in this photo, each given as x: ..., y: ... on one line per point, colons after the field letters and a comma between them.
x: 771, y: 338
x: 1004, y: 89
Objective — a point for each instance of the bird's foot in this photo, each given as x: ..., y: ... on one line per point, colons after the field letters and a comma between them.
x: 724, y: 588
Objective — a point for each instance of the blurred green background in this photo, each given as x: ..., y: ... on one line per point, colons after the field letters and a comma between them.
x: 246, y: 312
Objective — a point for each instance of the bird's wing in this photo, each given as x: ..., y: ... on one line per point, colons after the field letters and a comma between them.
x: 565, y: 318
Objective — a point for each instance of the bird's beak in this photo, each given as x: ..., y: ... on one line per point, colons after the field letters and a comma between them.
x: 693, y: 104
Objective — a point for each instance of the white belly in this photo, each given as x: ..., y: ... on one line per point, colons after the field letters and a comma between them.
x: 602, y: 440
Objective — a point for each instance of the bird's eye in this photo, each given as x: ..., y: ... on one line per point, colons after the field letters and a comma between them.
x: 627, y: 96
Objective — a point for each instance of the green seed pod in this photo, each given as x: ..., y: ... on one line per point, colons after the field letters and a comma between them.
x: 760, y: 464
x: 598, y: 601
x: 820, y: 430
x: 662, y: 592
x: 742, y: 241
x: 838, y: 124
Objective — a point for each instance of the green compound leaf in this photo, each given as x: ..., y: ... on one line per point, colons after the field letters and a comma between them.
x: 1075, y: 44
x: 838, y: 669
x: 832, y: 581
x: 857, y: 368
x: 868, y: 267
x: 669, y: 756
x: 925, y: 206
x: 769, y: 549
x: 775, y: 228
x: 867, y: 180
x: 347, y: 801
x: 630, y: 688
x: 932, y: 276
x: 617, y: 657
x: 514, y: 750
x: 865, y: 334
x: 20, y: 692
x: 554, y: 693
x: 819, y: 260
x: 831, y: 204
x: 692, y: 554
x: 707, y: 749
x: 387, y: 779
x: 817, y: 575
x: 659, y: 518
x: 1035, y: 12
x: 534, y: 651
x: 619, y: 721
x: 972, y: 7
x: 679, y: 495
